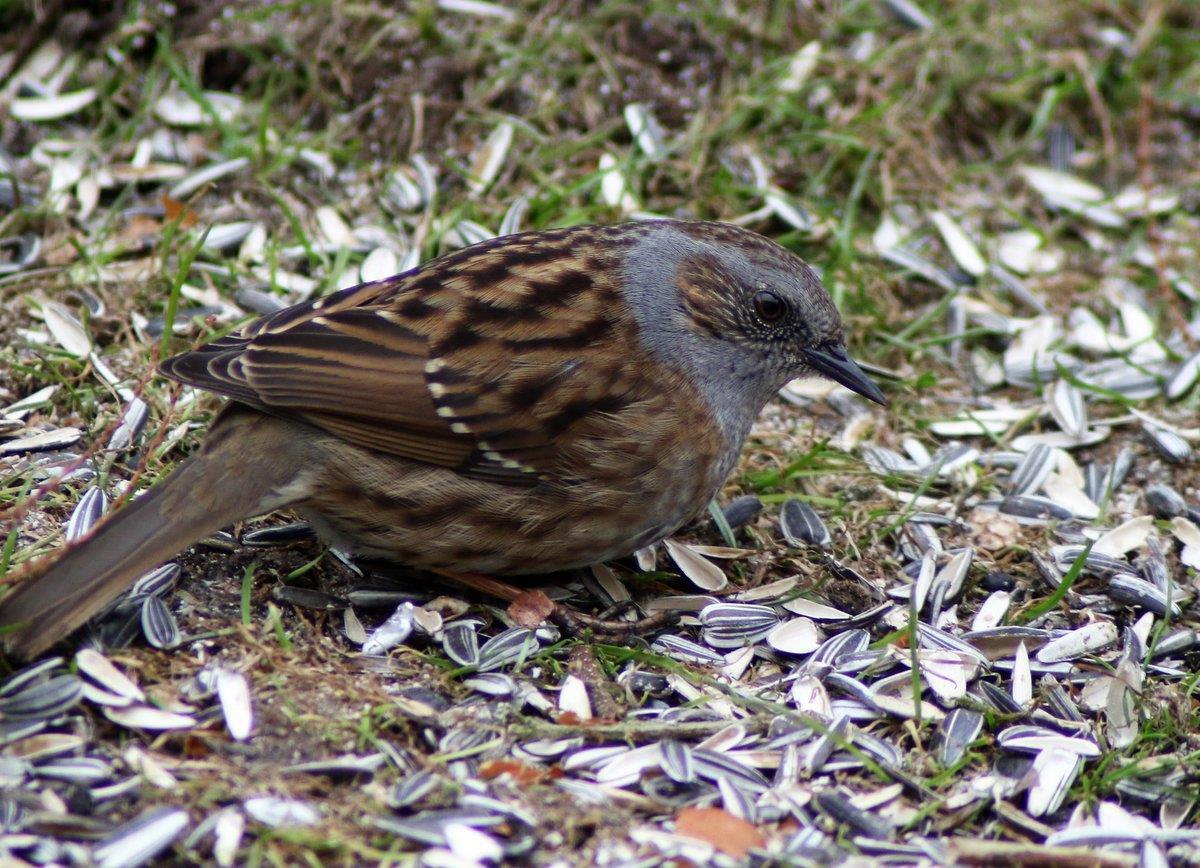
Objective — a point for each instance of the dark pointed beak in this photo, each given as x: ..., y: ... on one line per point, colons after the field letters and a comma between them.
x: 835, y: 364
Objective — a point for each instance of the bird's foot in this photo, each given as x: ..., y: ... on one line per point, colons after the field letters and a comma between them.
x: 530, y: 608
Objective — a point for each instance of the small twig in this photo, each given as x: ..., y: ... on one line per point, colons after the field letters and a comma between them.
x: 566, y: 618
x: 634, y: 730
x: 971, y: 851
x: 575, y: 623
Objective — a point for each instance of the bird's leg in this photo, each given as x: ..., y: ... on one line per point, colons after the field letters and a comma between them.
x: 570, y: 621
x: 479, y: 582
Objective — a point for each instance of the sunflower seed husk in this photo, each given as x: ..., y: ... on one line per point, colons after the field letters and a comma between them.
x: 960, y: 728
x: 56, y: 438
x: 677, y: 761
x: 1029, y: 509
x: 1095, y: 562
x: 158, y: 623
x: 1033, y: 739
x: 840, y: 809
x: 87, y: 512
x: 281, y: 813
x: 931, y: 637
x: 77, y: 770
x: 1168, y: 444
x: 139, y: 841
x: 101, y: 670
x: 132, y: 422
x: 1176, y: 643
x: 742, y: 510
x: 733, y: 625
x: 801, y: 526
x: 146, y: 717
x: 507, y: 648
x: 31, y: 698
x: 310, y: 598
x: 1165, y: 502
x: 702, y: 572
x: 1129, y: 589
x: 460, y: 641
x: 157, y: 583
x: 207, y: 175
x: 227, y: 829
x: 1029, y: 475
x: 795, y: 636
x: 1185, y: 376
x: 429, y: 827
x: 1125, y: 537
x: 646, y: 130
x: 1069, y: 193
x: 1078, y: 643
x: 1066, y: 405
x: 813, y: 609
x: 991, y: 613
x: 615, y: 189
x: 402, y: 191
x: 683, y: 649
x: 233, y: 692
x: 489, y: 159
x: 392, y: 632
x: 492, y: 684
x: 278, y: 535
x: 714, y: 766
x: 1053, y: 773
x: 53, y: 107
x: 962, y: 248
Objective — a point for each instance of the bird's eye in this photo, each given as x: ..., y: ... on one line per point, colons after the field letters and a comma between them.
x: 769, y: 306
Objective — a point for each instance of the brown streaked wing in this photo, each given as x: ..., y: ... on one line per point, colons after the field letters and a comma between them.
x: 491, y: 363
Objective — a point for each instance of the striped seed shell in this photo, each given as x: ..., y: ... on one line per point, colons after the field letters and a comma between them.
x: 1066, y: 405
x: 140, y: 840
x: 42, y: 699
x: 802, y: 526
x: 158, y: 624
x: 87, y: 512
x: 1079, y: 643
x: 460, y: 641
x: 1029, y: 475
x: 1164, y: 501
x: 957, y: 731
x: 507, y: 648
x: 1054, y: 771
x: 1167, y: 443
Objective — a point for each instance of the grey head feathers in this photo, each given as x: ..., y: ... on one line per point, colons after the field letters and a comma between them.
x: 696, y: 290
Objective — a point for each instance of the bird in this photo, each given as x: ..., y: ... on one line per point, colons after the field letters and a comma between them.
x: 529, y: 404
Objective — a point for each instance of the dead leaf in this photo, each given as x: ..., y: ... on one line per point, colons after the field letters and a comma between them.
x: 522, y: 773
x: 729, y: 834
x: 530, y: 609
x: 173, y: 209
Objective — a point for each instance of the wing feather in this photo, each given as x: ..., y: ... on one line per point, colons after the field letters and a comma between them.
x: 491, y: 362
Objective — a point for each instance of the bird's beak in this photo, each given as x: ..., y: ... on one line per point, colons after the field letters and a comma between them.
x: 835, y: 364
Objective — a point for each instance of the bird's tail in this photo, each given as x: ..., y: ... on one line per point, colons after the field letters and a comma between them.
x: 242, y: 470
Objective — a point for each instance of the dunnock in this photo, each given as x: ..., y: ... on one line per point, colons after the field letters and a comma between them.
x: 532, y: 403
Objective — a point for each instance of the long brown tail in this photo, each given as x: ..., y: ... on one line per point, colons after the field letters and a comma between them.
x: 238, y: 473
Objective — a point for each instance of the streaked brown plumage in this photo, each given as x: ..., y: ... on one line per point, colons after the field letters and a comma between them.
x: 529, y: 404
